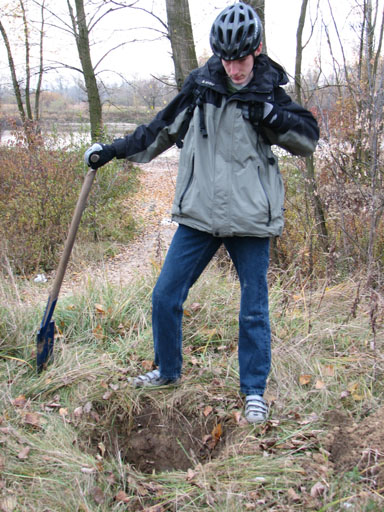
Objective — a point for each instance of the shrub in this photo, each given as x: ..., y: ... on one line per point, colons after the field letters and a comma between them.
x: 39, y: 188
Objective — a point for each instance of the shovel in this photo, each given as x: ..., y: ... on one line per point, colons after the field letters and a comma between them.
x: 45, y: 336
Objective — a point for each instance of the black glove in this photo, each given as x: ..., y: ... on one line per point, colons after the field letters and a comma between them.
x: 273, y: 117
x: 99, y: 154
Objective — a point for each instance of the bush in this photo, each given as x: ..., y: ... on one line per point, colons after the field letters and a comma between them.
x: 39, y: 188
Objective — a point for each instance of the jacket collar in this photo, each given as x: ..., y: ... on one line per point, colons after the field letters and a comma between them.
x: 267, y: 75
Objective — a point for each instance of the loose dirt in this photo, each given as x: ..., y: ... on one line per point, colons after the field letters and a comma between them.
x: 155, y: 441
x: 153, y: 436
x: 358, y: 446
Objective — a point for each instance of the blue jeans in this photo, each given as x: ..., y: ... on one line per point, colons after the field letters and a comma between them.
x: 188, y: 255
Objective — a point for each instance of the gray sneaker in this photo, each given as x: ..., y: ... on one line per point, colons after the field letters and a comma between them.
x: 152, y: 379
x: 256, y: 409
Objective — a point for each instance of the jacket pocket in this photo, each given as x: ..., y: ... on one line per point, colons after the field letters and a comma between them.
x: 266, y: 196
x: 187, y: 187
x: 272, y: 182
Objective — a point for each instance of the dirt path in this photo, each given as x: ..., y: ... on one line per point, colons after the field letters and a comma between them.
x: 152, y: 204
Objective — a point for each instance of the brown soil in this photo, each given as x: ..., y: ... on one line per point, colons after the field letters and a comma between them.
x: 155, y: 439
x: 358, y: 445
x: 167, y: 442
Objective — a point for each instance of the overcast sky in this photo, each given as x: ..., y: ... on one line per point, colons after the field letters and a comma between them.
x: 143, y: 59
x: 281, y: 25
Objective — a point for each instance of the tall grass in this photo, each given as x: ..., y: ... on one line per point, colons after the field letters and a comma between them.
x: 64, y: 433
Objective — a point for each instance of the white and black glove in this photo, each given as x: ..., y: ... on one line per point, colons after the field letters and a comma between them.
x: 267, y: 109
x: 274, y: 118
x: 99, y: 154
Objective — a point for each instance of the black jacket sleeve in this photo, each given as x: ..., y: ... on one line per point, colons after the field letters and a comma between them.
x: 291, y: 126
x: 148, y: 141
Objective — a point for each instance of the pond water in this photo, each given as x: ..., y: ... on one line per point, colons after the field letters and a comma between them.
x: 68, y: 134
x: 71, y: 133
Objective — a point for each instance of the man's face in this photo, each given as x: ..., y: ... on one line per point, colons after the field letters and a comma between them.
x: 239, y: 70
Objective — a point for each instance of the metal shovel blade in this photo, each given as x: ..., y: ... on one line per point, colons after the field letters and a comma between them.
x: 44, y: 346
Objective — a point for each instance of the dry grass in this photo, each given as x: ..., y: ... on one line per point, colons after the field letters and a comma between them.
x: 66, y: 435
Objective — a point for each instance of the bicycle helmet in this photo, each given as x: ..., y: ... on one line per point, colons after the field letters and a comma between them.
x: 236, y: 32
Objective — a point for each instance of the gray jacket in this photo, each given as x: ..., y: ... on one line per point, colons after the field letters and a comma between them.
x: 229, y: 182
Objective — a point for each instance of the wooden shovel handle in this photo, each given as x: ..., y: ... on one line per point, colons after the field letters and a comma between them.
x: 81, y: 203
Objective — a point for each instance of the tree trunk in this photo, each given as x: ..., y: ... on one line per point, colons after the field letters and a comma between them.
x: 27, y: 61
x: 41, y: 65
x: 81, y: 32
x: 181, y: 37
x: 299, y: 51
x: 259, y: 6
x: 15, y: 83
x: 309, y: 162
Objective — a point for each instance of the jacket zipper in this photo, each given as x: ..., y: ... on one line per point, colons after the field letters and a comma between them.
x: 267, y: 198
x: 188, y: 184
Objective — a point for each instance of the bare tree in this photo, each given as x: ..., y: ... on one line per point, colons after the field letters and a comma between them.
x: 311, y: 181
x: 81, y: 32
x: 80, y: 26
x: 22, y: 87
x: 12, y: 68
x: 178, y: 29
x: 353, y: 158
x: 181, y: 37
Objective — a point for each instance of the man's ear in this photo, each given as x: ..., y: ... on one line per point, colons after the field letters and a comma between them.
x: 259, y: 49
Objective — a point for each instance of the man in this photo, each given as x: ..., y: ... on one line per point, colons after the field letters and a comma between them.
x: 229, y: 190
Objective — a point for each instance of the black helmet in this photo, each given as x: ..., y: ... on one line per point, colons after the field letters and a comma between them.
x: 236, y: 32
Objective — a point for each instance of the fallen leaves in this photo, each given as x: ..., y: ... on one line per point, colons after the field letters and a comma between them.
x: 100, y: 309
x: 19, y: 401
x: 32, y: 419
x: 318, y: 489
x: 326, y: 371
x: 148, y: 365
x: 98, y: 495
x: 98, y: 332
x: 293, y: 496
x: 207, y: 410
x: 353, y: 389
x: 320, y: 384
x: 304, y: 380
x: 122, y: 497
x: 23, y: 454
x: 211, y: 440
x: 239, y: 418
x: 190, y: 475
